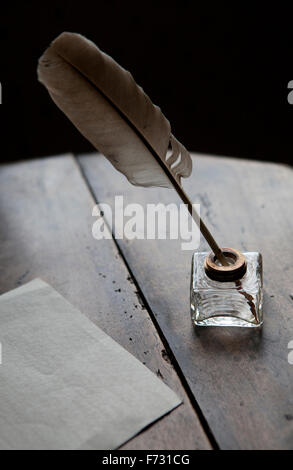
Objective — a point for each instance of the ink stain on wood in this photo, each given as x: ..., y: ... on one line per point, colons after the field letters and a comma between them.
x: 129, y: 278
x: 165, y: 356
x: 22, y: 277
x: 288, y: 417
x: 159, y: 374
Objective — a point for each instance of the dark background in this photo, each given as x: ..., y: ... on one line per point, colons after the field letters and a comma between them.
x: 219, y: 74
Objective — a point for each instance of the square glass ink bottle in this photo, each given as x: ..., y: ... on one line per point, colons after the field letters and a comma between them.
x: 227, y: 295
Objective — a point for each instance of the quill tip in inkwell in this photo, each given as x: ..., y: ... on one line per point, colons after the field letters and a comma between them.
x: 235, y: 269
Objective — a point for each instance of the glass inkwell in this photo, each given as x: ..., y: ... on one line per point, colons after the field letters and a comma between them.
x: 229, y: 295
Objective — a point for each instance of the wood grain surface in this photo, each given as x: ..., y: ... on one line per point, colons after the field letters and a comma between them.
x: 46, y: 221
x: 240, y: 378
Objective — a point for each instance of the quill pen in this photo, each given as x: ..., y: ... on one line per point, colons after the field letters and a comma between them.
x: 107, y: 106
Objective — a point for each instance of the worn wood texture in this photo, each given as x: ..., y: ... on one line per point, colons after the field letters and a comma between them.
x: 241, y: 378
x: 45, y: 231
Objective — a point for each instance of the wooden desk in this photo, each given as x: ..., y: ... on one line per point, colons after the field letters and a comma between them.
x: 236, y: 384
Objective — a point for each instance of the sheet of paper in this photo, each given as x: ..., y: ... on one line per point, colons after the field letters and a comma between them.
x: 64, y: 383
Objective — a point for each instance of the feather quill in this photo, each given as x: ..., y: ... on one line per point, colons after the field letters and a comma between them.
x: 107, y: 106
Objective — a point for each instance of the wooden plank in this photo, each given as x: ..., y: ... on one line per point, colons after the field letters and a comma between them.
x: 46, y: 221
x: 241, y: 379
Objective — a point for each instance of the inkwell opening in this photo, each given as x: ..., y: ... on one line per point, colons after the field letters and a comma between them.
x: 235, y: 270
